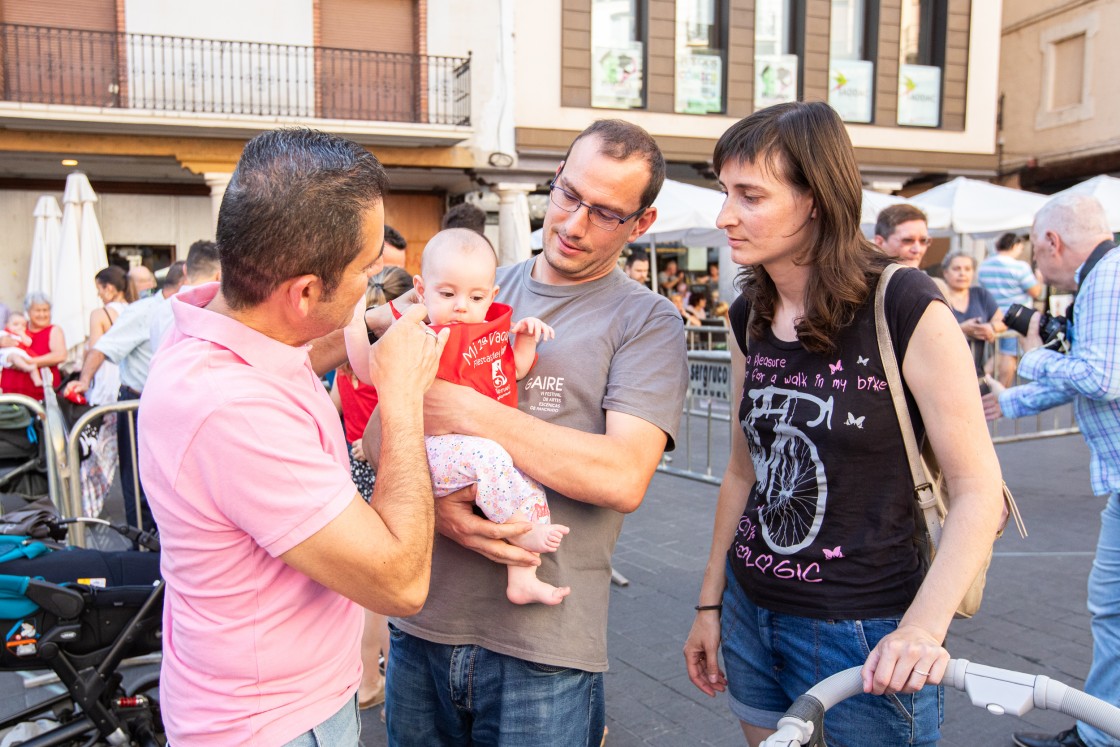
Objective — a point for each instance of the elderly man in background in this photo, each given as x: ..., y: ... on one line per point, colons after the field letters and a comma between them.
x: 1074, y: 250
x: 141, y: 281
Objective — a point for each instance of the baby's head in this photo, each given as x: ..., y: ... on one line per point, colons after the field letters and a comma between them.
x: 456, y: 280
x: 17, y: 323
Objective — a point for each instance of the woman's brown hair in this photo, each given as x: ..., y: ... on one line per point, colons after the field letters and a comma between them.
x: 806, y: 147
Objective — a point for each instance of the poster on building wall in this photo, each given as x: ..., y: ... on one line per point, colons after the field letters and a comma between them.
x: 616, y: 76
x: 775, y: 79
x: 699, y: 84
x: 919, y: 95
x: 850, y: 84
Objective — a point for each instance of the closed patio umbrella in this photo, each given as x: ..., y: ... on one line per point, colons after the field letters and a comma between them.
x: 44, y: 245
x: 68, y: 307
x: 91, y: 245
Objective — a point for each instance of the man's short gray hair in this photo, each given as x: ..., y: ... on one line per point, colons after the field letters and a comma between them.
x: 35, y: 297
x: 1075, y: 217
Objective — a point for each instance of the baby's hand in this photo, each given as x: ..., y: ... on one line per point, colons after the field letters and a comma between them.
x: 534, y: 327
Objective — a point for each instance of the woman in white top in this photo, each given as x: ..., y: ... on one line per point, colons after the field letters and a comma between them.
x: 111, y: 285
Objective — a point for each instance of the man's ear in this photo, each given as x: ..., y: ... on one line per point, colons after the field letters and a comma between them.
x: 879, y: 241
x: 301, y: 293
x: 1055, y: 241
x: 642, y: 224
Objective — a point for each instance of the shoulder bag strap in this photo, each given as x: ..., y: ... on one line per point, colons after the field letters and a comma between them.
x: 923, y: 489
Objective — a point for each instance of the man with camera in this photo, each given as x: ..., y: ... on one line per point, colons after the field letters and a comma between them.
x: 1073, y: 248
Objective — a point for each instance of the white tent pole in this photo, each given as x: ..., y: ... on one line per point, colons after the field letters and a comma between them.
x: 653, y: 266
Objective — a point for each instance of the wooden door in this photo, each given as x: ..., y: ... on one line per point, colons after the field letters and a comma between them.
x: 366, y: 66
x: 417, y: 216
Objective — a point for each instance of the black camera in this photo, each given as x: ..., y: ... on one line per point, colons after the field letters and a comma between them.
x: 1052, y: 329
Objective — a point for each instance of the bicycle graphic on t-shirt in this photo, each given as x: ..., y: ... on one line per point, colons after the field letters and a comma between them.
x: 791, y: 480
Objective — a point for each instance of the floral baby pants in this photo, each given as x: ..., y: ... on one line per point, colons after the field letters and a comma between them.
x: 457, y: 461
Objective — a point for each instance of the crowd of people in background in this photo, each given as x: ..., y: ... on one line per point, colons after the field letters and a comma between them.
x: 694, y: 294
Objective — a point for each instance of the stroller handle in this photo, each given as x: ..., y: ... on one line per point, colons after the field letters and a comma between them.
x: 999, y: 691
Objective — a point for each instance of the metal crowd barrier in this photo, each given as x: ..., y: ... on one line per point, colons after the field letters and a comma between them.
x: 707, y: 403
x: 54, y: 437
x: 706, y: 337
x: 62, y: 449
x: 73, y: 454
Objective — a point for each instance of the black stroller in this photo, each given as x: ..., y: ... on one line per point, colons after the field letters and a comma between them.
x: 23, y: 469
x: 79, y: 613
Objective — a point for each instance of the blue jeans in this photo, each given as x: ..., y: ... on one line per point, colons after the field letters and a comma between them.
x: 340, y: 730
x: 1104, y: 606
x: 770, y: 658
x: 467, y: 695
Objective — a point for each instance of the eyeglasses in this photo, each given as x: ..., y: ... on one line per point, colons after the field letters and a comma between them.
x: 907, y: 241
x: 602, y: 218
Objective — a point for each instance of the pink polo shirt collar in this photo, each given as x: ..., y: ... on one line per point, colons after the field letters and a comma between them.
x: 259, y: 350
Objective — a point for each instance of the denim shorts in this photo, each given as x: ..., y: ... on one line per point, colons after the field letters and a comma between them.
x: 771, y: 658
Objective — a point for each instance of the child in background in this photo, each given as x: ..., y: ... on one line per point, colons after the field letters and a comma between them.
x: 19, y: 356
x: 457, y: 285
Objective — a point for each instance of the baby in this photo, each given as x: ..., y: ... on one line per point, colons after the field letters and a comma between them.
x: 19, y: 357
x: 456, y: 284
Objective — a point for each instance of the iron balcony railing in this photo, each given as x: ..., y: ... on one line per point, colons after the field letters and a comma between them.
x: 177, y: 74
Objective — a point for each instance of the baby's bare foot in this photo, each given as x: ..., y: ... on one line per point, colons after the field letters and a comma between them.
x: 528, y: 589
x: 541, y: 538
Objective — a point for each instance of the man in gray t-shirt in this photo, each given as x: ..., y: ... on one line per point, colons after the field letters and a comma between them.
x: 595, y: 413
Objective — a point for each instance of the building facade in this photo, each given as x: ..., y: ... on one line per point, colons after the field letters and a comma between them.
x: 155, y: 100
x: 1057, y: 124
x: 916, y: 80
x: 474, y: 100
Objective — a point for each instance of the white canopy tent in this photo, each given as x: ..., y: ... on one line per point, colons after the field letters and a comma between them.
x: 978, y: 207
x: 1106, y: 189
x: 44, y: 245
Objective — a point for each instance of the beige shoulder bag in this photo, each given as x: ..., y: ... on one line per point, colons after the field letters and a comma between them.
x: 929, y: 488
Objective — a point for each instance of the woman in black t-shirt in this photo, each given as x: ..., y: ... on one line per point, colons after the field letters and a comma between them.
x: 813, y: 566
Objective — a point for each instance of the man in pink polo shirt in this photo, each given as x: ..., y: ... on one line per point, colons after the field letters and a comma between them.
x: 269, y: 552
